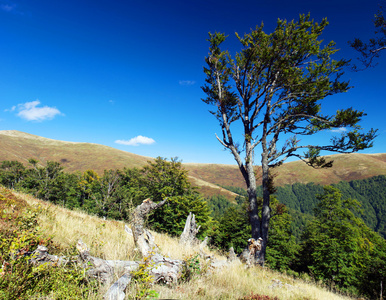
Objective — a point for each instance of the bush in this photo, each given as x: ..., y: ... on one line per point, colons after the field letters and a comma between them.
x: 20, y: 236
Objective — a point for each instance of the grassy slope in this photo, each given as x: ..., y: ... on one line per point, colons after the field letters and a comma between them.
x: 346, y: 167
x: 108, y: 239
x: 15, y: 145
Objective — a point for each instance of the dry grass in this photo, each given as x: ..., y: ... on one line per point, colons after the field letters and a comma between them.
x: 236, y: 281
x: 108, y: 239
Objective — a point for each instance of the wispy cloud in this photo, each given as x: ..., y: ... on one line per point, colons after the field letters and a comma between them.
x: 339, y: 130
x: 31, y: 111
x: 10, y: 7
x: 136, y: 141
x: 186, y: 82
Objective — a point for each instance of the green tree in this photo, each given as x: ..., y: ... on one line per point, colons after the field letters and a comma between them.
x: 11, y: 173
x: 217, y: 205
x: 337, y: 247
x: 168, y: 179
x: 274, y: 87
x: 233, y: 229
x: 282, y: 248
x: 89, y: 187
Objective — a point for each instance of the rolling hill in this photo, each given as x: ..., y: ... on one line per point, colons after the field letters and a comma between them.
x: 16, y: 145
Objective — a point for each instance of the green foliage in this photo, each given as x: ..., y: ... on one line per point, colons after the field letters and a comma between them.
x: 218, y: 205
x: 19, y: 279
x: 301, y: 201
x: 161, y: 179
x: 192, y: 267
x: 337, y: 247
x: 11, y: 173
x: 233, y: 230
x: 164, y: 178
x: 171, y: 217
x: 117, y: 192
x: 282, y: 247
x: 144, y: 281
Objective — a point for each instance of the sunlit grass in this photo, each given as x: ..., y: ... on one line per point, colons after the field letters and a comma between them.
x: 108, y: 239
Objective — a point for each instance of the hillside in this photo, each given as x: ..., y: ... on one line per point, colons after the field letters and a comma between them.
x: 107, y: 239
x: 15, y: 145
x: 346, y: 167
x: 20, y: 146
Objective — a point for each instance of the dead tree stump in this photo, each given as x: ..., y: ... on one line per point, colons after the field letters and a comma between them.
x: 142, y: 237
x: 188, y: 236
x: 250, y: 255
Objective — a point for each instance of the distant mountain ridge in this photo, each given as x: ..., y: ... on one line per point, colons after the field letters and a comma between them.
x: 16, y: 145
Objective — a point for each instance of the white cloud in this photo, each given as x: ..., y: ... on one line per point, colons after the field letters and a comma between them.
x: 138, y: 140
x: 186, y: 82
x: 31, y: 112
x: 339, y: 130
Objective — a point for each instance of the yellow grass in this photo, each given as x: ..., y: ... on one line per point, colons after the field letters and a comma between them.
x: 107, y: 239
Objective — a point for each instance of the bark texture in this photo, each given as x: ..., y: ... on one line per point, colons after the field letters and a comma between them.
x: 142, y: 237
x: 188, y: 236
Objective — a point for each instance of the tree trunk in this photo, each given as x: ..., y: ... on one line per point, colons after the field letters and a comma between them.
x: 265, y: 210
x: 253, y: 209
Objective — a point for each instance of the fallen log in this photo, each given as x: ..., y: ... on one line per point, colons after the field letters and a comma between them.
x: 117, y: 290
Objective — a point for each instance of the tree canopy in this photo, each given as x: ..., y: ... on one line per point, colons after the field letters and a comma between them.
x: 338, y: 248
x: 274, y: 87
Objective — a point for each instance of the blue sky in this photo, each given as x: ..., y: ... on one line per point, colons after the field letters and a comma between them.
x: 127, y: 74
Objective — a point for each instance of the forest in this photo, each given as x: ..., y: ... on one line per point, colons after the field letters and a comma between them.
x: 333, y: 234
x: 301, y: 200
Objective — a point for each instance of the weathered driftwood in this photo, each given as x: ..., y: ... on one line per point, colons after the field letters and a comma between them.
x: 188, y: 236
x: 163, y: 269
x: 41, y: 256
x: 142, y: 237
x: 117, y: 290
x: 100, y: 269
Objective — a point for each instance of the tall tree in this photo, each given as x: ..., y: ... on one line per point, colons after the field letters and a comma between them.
x: 372, y: 49
x: 338, y: 248
x: 274, y: 87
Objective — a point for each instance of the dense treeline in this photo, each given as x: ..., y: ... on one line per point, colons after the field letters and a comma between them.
x: 370, y: 192
x: 314, y: 230
x: 116, y: 193
x: 301, y: 201
x: 334, y: 244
